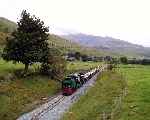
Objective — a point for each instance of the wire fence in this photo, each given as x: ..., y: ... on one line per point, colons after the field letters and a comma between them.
x: 117, y: 103
x: 116, y: 109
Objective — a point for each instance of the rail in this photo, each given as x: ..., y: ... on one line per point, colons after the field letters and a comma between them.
x: 51, y: 106
x: 51, y: 103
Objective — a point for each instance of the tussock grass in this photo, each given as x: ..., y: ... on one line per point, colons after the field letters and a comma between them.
x: 17, y: 96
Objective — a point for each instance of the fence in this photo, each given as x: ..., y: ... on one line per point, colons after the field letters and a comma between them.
x: 116, y: 109
x: 117, y: 104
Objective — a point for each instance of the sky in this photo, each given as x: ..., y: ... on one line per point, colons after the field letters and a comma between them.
x: 123, y: 19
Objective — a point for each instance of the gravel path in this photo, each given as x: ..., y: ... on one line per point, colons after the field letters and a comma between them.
x: 54, y: 109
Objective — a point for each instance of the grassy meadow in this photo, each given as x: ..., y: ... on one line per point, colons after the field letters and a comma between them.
x: 20, y: 95
x: 79, y: 66
x: 137, y: 103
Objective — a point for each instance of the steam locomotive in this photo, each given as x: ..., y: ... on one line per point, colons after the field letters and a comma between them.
x: 74, y: 81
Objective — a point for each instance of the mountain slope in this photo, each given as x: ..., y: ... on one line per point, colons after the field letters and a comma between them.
x: 6, y: 25
x: 71, y: 46
x: 110, y: 45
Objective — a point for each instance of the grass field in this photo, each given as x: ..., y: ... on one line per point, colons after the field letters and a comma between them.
x: 79, y: 66
x: 18, y: 96
x: 98, y: 99
x: 137, y: 103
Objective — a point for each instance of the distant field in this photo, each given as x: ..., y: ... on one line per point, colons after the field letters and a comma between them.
x: 20, y: 95
x: 98, y: 99
x: 137, y: 103
x: 79, y: 66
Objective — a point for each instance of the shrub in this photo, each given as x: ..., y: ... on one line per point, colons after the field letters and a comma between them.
x: 124, y: 60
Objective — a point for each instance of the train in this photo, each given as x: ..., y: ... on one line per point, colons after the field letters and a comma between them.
x: 74, y: 81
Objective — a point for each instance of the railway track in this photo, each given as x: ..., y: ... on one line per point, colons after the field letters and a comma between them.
x: 58, y: 103
x: 52, y: 103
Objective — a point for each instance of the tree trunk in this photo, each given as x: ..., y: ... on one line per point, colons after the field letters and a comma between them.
x: 26, y: 68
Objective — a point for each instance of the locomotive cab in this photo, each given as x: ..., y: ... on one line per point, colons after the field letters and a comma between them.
x: 68, y: 86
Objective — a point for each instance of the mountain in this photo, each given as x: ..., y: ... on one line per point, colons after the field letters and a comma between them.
x: 109, y: 44
x: 6, y: 25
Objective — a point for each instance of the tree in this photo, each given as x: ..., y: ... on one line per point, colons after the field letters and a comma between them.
x: 77, y: 55
x: 55, y: 66
x: 145, y: 62
x: 124, y: 60
x: 84, y: 58
x: 28, y: 44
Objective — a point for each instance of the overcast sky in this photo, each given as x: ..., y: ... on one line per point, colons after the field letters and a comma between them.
x: 125, y: 19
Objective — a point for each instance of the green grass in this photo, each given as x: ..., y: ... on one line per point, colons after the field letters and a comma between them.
x: 98, y: 99
x: 6, y: 67
x: 20, y: 95
x: 137, y: 103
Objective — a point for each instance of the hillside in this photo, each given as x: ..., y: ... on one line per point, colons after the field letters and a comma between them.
x: 110, y: 45
x: 68, y: 45
x: 6, y: 25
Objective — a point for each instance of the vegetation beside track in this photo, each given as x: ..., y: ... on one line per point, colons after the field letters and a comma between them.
x: 98, y: 99
x: 20, y: 95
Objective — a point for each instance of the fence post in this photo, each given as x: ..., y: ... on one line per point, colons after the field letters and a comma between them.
x: 104, y: 116
x: 112, y: 115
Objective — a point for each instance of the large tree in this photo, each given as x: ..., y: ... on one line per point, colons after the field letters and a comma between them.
x: 28, y: 44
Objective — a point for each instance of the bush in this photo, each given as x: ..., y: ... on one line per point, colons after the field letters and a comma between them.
x: 110, y: 67
x: 145, y: 62
x: 124, y: 60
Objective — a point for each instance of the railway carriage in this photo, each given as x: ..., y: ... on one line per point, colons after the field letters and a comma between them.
x: 82, y: 78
